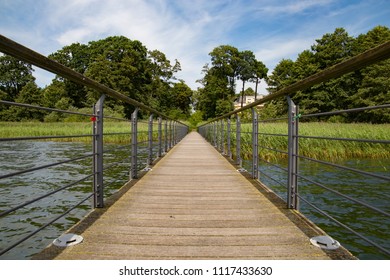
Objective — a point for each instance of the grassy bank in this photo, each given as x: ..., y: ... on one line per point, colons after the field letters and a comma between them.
x: 37, y: 129
x: 320, y: 148
x: 316, y: 148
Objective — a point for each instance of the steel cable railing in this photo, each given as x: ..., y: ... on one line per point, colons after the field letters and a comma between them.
x: 142, y: 153
x: 143, y: 144
x: 43, y: 166
x: 212, y: 135
x: 292, y: 162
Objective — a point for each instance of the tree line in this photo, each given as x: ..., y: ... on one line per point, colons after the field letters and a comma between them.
x: 366, y: 87
x: 149, y: 77
x: 228, y: 65
x: 120, y: 63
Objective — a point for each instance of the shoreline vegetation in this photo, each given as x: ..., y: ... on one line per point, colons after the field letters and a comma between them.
x: 325, y: 149
x: 315, y: 148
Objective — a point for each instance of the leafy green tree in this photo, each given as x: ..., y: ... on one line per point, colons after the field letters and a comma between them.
x: 223, y: 106
x: 246, y: 70
x: 163, y: 72
x: 54, y: 92
x: 161, y: 67
x: 283, y: 75
x: 30, y: 94
x: 367, y: 87
x: 225, y: 61
x: 195, y: 118
x: 124, y: 65
x: 260, y: 72
x: 14, y: 75
x: 219, y: 81
x: 330, y: 50
x: 182, y: 98
x: 374, y: 86
x: 214, y: 89
x: 77, y: 57
x: 333, y: 48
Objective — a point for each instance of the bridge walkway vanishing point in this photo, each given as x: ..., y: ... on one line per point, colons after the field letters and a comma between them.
x: 194, y: 204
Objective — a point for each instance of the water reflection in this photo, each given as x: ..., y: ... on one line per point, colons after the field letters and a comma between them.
x: 370, y: 190
x: 17, y: 156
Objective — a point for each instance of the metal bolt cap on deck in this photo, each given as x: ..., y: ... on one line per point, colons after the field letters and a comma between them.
x: 67, y: 240
x: 325, y: 242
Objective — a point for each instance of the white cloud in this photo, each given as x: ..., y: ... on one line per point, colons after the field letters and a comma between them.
x: 291, y: 7
x: 188, y: 30
x: 183, y: 30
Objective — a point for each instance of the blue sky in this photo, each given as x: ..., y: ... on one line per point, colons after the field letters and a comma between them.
x: 188, y: 30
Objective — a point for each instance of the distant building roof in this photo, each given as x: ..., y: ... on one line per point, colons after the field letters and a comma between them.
x: 248, y: 99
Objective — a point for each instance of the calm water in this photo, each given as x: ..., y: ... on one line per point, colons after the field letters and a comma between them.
x: 16, y: 190
x: 22, y: 155
x: 372, y: 191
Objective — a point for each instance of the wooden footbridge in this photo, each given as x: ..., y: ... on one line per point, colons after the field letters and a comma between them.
x: 194, y: 204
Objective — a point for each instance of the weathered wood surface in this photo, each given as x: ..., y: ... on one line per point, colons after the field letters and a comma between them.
x: 195, y: 205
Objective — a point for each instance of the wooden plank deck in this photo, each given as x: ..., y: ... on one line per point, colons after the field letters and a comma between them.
x: 195, y: 205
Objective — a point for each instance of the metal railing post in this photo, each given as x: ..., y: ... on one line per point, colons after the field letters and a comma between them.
x: 98, y: 201
x: 150, y: 140
x: 255, y: 144
x: 134, y: 145
x: 159, y: 137
x: 292, y: 179
x: 174, y: 134
x: 229, y: 144
x: 170, y: 135
x: 222, y: 149
x: 215, y: 132
x: 238, y: 141
x: 166, y: 136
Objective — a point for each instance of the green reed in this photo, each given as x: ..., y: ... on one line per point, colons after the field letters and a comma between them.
x: 317, y: 148
x: 37, y: 129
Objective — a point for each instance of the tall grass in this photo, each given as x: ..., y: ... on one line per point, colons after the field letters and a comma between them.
x: 37, y: 129
x: 318, y: 148
x: 315, y: 148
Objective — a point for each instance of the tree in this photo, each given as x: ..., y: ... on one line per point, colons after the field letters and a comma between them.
x: 219, y: 81
x: 332, y: 48
x: 161, y: 67
x: 327, y: 51
x: 30, y: 94
x: 14, y: 75
x: 181, y: 97
x: 283, y: 75
x: 374, y: 86
x: 53, y: 93
x: 246, y: 70
x: 77, y: 57
x: 223, y: 106
x: 225, y: 64
x: 367, y: 87
x: 260, y: 72
x: 124, y: 65
x: 162, y: 73
x: 195, y: 118
x: 214, y: 89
